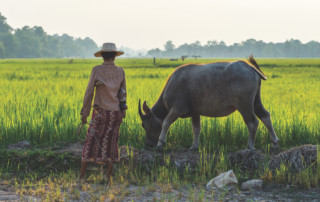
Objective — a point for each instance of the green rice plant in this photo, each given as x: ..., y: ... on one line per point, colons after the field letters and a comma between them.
x: 41, y: 101
x: 280, y: 176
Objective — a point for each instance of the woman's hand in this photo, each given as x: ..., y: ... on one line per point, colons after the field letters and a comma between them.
x: 84, y: 119
x: 123, y: 114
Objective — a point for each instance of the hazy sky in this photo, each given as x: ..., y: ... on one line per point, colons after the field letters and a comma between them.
x: 149, y: 24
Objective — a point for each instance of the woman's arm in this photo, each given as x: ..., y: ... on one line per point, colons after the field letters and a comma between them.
x: 87, y: 101
x: 123, y: 83
x: 124, y: 87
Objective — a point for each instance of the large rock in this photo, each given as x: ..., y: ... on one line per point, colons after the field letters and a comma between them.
x: 297, y: 158
x: 247, y: 160
x: 180, y: 158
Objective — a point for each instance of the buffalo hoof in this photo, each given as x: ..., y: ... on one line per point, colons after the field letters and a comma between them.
x: 160, y: 148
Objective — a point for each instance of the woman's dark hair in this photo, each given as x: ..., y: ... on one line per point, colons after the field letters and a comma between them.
x: 108, y: 55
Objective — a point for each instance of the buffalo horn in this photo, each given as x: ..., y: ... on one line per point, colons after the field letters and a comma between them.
x: 142, y: 116
x: 146, y: 109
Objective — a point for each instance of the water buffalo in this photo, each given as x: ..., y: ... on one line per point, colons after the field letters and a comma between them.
x: 214, y: 90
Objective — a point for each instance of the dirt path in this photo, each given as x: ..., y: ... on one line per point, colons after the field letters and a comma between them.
x: 195, y: 193
x: 180, y: 193
x: 191, y: 193
x: 296, y: 158
x: 8, y: 196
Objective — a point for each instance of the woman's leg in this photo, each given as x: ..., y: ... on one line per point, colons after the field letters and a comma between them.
x: 88, y: 151
x: 109, y: 170
x: 110, y: 150
x: 83, y: 169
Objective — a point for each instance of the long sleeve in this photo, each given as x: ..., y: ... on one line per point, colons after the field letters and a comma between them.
x: 87, y: 101
x: 123, y: 83
x: 124, y: 87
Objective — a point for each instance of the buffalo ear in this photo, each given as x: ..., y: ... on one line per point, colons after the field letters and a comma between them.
x: 146, y: 109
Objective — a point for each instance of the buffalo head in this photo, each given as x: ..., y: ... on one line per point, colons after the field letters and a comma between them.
x: 151, y: 124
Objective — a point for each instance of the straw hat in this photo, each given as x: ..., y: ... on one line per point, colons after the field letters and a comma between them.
x: 108, y: 47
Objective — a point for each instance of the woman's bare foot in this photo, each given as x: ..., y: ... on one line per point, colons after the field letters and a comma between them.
x: 109, y: 170
x: 83, y: 169
x: 80, y: 181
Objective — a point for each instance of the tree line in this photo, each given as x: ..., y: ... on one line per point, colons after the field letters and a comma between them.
x: 289, y: 49
x: 34, y: 42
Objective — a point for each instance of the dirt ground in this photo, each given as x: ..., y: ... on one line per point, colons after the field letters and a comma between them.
x: 297, y: 158
x: 191, y: 193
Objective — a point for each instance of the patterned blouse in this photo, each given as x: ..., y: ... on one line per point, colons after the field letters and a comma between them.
x: 108, y: 79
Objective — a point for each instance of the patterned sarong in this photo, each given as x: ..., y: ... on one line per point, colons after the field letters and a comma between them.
x: 101, y: 144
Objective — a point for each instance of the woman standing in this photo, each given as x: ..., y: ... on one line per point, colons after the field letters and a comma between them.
x: 101, y: 145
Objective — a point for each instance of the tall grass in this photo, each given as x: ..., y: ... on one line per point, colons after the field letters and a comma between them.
x: 41, y: 101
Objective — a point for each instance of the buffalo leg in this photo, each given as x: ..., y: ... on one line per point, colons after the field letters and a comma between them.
x: 170, y: 118
x: 264, y: 116
x: 267, y: 122
x: 252, y: 123
x: 196, y: 127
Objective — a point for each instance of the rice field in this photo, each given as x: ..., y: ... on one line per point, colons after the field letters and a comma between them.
x: 41, y: 101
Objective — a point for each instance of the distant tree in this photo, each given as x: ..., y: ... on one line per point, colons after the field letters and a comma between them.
x: 10, y: 44
x: 39, y: 32
x: 222, y: 43
x: 290, y: 48
x: 313, y: 48
x: 222, y: 49
x: 182, y: 50
x: 196, y: 48
x: 29, y: 46
x: 196, y: 44
x: 68, y: 47
x: 5, y: 38
x: 43, y: 38
x: 269, y: 51
x: 2, y: 51
x: 154, y: 52
x: 87, y: 46
x: 212, y: 43
x: 4, y: 27
x: 31, y: 42
x: 168, y: 46
x: 249, y: 46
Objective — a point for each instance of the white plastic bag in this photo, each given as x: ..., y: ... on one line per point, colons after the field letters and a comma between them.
x: 222, y: 180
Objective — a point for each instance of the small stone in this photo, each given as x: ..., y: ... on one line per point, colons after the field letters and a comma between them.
x: 251, y: 184
x: 19, y: 145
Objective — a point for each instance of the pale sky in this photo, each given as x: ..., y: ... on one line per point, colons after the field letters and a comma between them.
x: 146, y: 24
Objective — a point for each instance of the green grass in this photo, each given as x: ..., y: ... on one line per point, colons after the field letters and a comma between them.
x: 41, y: 101
x: 54, y: 180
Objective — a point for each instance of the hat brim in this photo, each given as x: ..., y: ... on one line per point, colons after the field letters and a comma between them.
x: 98, y: 54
